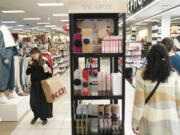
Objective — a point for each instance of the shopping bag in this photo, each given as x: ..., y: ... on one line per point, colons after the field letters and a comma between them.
x: 53, y: 88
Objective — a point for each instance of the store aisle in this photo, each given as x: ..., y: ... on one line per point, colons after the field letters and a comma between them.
x: 60, y: 124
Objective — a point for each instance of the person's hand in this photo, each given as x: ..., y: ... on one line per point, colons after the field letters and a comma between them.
x: 47, y: 69
x: 30, y: 61
x: 6, y: 61
x: 136, y: 131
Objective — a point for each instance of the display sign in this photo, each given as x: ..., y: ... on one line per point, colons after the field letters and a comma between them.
x: 97, y: 6
x: 136, y: 5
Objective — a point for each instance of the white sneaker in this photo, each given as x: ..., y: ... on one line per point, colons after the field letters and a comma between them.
x: 4, y: 100
x: 13, y: 94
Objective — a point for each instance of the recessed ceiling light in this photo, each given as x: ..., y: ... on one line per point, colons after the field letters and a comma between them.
x: 12, y: 11
x: 60, y: 14
x: 50, y: 4
x: 8, y: 22
x: 64, y: 20
x: 31, y: 18
x: 20, y: 25
x: 50, y: 26
x: 18, y: 29
x: 43, y: 23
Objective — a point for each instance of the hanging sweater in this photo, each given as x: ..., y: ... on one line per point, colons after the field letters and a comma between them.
x: 161, y: 116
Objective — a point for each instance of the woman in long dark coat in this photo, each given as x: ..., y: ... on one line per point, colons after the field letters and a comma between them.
x: 39, y: 70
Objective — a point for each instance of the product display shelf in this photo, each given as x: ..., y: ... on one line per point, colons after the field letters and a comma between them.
x: 97, y: 54
x: 97, y: 97
x: 113, y: 64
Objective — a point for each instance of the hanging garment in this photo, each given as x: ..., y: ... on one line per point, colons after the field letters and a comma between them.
x: 48, y: 57
x: 17, y: 74
x: 7, y: 75
x: 38, y: 102
x: 23, y: 75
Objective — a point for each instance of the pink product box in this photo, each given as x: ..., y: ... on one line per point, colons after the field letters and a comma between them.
x: 77, y: 42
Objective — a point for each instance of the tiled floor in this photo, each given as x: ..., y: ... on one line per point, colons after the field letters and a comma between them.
x: 60, y: 124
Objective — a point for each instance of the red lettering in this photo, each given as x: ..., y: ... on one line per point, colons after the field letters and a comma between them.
x: 58, y: 93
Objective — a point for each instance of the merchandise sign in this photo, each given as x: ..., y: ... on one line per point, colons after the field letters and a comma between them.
x: 98, y: 6
x: 136, y: 5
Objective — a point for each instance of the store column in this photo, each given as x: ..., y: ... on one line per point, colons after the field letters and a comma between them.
x: 166, y: 24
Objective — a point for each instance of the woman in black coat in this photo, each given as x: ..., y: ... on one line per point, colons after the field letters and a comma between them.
x: 39, y: 70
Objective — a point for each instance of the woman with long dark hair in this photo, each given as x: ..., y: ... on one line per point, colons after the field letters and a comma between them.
x: 160, y: 115
x: 39, y: 70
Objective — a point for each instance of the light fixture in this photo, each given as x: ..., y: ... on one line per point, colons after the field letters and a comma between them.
x: 20, y: 25
x: 8, y: 22
x: 34, y: 28
x: 142, y: 10
x: 50, y: 4
x: 60, y: 14
x: 28, y: 19
x: 43, y: 23
x: 18, y: 29
x: 49, y: 26
x: 64, y: 20
x: 12, y: 11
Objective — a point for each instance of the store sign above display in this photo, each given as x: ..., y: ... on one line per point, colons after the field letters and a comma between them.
x: 97, y: 6
x: 136, y: 5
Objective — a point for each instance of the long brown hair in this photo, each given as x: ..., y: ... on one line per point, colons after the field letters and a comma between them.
x: 40, y: 62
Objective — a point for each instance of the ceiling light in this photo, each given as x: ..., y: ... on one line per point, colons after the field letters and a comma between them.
x: 50, y: 4
x: 8, y: 22
x: 60, y: 14
x: 31, y: 18
x: 142, y: 10
x: 43, y: 23
x: 64, y: 20
x: 9, y: 27
x: 12, y: 11
x: 20, y: 25
x: 18, y: 29
x: 50, y: 26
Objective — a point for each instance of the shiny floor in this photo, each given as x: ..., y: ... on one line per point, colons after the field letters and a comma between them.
x: 60, y: 124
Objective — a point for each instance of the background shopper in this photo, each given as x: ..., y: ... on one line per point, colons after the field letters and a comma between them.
x: 39, y: 70
x: 175, y: 58
x: 161, y: 115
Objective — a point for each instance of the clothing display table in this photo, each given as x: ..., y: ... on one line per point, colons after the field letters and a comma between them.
x: 15, y: 110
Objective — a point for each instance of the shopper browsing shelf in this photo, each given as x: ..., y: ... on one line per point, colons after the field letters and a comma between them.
x: 175, y: 58
x: 39, y: 70
x: 160, y: 115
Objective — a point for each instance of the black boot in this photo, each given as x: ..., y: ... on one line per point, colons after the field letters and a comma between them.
x: 44, y: 121
x: 33, y: 121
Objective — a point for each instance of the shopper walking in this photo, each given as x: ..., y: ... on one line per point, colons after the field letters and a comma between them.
x: 39, y: 70
x: 161, y: 114
x: 175, y: 58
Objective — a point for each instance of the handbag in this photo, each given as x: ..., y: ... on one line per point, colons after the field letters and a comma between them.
x: 151, y: 94
x: 53, y: 88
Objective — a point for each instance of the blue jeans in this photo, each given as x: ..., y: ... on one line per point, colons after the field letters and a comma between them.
x: 7, y: 74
